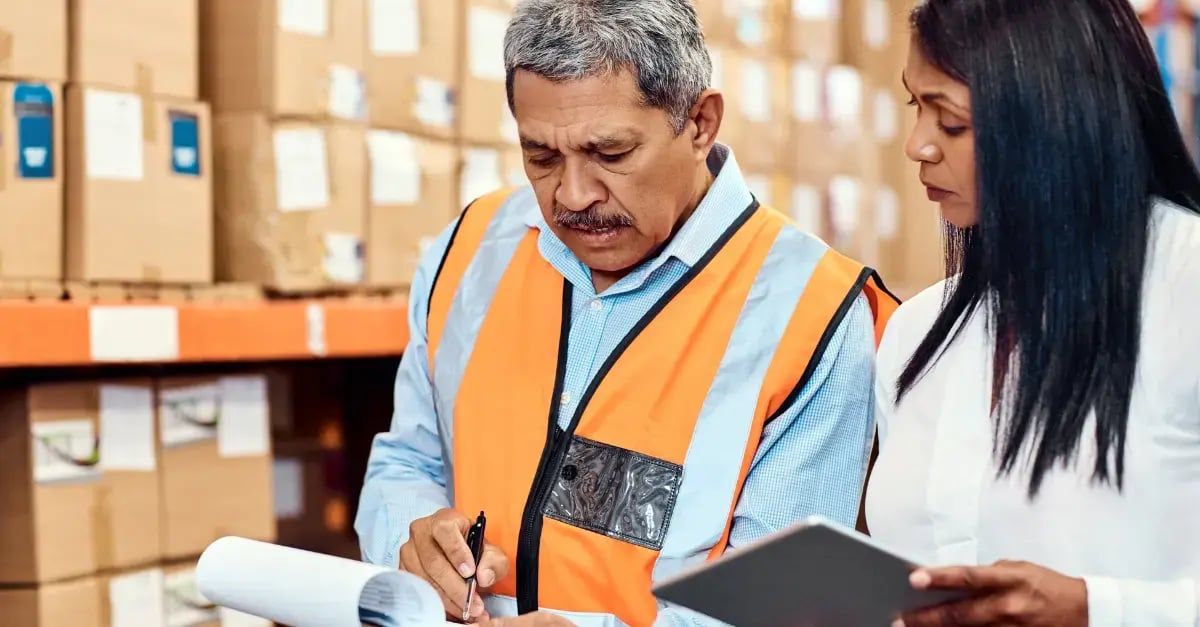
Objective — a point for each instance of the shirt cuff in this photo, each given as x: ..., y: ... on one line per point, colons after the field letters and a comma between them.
x: 1119, y: 602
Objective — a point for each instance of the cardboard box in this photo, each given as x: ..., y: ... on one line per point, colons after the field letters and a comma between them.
x: 94, y: 486
x: 874, y: 36
x: 132, y: 598
x: 139, y: 188
x: 412, y: 66
x: 484, y: 170
x: 31, y: 180
x: 413, y: 198
x: 75, y: 603
x: 182, y: 602
x: 756, y: 105
x: 36, y: 40
x: 285, y: 57
x: 814, y: 30
x: 150, y: 47
x: 213, y: 434
x: 291, y: 202
x: 484, y: 114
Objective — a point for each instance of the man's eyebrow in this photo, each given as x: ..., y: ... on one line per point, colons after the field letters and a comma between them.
x: 607, y: 142
x: 529, y: 144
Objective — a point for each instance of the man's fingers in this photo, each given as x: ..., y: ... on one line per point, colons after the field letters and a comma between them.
x: 988, y: 610
x: 493, y: 566
x: 964, y: 578
x: 449, y: 538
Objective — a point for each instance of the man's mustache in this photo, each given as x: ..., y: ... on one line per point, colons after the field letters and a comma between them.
x: 590, y: 218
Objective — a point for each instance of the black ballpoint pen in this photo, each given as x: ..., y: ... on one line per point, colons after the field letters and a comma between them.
x: 475, y: 543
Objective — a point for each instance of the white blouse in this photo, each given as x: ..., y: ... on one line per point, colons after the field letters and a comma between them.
x: 935, y: 496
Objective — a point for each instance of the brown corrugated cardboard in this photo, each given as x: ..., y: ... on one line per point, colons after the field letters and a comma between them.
x: 762, y: 111
x: 716, y: 24
x: 31, y: 180
x: 412, y: 63
x: 726, y: 78
x: 139, y: 188
x: 814, y: 30
x: 413, y: 198
x: 160, y: 58
x: 48, y: 485
x: 812, y: 131
x: 291, y: 202
x: 76, y: 603
x: 285, y: 57
x: 483, y: 102
x: 874, y: 36
x: 33, y: 40
x: 214, y: 433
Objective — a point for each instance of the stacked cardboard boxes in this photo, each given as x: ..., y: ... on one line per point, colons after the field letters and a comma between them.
x: 100, y: 482
x: 33, y: 68
x: 287, y: 83
x: 139, y: 187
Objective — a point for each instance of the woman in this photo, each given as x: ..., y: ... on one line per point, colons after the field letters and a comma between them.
x: 1043, y: 404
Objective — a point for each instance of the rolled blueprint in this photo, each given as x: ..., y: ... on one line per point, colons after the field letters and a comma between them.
x: 305, y: 589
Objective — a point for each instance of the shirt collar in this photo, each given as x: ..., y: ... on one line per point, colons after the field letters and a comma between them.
x: 727, y: 198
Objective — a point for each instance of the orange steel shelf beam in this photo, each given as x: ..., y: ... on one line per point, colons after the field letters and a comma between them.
x: 73, y: 334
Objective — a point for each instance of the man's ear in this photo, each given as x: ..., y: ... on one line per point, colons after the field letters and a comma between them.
x: 705, y: 121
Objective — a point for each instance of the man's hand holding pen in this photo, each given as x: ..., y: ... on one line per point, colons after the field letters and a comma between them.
x: 437, y: 551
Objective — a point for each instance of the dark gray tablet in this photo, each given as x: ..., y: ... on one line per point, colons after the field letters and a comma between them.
x: 816, y: 573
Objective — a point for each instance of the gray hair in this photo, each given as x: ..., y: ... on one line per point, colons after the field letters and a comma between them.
x: 660, y: 41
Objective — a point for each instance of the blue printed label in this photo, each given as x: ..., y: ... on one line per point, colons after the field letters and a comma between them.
x: 33, y: 105
x: 185, y: 144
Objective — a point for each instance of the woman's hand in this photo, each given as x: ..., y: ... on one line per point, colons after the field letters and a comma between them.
x: 1005, y: 593
x: 537, y: 619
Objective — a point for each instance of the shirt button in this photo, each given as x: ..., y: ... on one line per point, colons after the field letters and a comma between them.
x: 565, y: 399
x: 596, y: 305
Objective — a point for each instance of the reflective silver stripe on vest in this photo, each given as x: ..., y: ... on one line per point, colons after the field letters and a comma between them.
x: 467, y: 312
x: 714, y: 458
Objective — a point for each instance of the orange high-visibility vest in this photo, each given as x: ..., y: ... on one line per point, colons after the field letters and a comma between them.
x: 661, y: 441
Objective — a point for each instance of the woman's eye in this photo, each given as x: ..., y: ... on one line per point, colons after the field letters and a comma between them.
x: 912, y: 102
x: 953, y: 131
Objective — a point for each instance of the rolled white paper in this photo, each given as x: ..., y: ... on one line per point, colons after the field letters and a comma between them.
x: 306, y: 589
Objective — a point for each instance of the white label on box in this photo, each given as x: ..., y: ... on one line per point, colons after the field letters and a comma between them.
x: 887, y: 213
x: 347, y: 93
x: 806, y: 92
x: 234, y: 618
x: 343, y: 259
x: 301, y: 169
x: 133, y: 333
x: 395, y: 168
x: 188, y: 414
x: 314, y: 316
x: 185, y: 606
x: 137, y: 599
x: 844, y: 91
x: 876, y: 24
x: 806, y: 208
x: 395, y: 27
x: 717, y: 57
x: 288, y: 479
x: 112, y: 125
x: 760, y: 186
x: 307, y: 17
x: 845, y: 202
x: 509, y: 131
x: 435, y: 103
x: 244, y: 428
x: 64, y: 450
x: 126, y: 428
x: 481, y: 174
x: 887, y: 116
x: 487, y: 28
x: 756, y: 91
x: 814, y: 9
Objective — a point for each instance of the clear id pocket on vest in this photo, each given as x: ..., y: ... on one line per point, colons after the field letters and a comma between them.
x: 615, y: 492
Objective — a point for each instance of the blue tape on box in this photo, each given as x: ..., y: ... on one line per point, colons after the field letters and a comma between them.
x: 185, y: 143
x: 33, y: 106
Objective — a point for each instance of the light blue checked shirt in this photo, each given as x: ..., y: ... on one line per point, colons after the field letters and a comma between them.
x: 811, y: 460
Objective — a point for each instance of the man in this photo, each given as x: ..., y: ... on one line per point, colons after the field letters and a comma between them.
x: 630, y: 366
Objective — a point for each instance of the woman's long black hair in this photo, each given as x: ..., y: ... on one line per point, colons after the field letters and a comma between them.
x: 1074, y: 136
